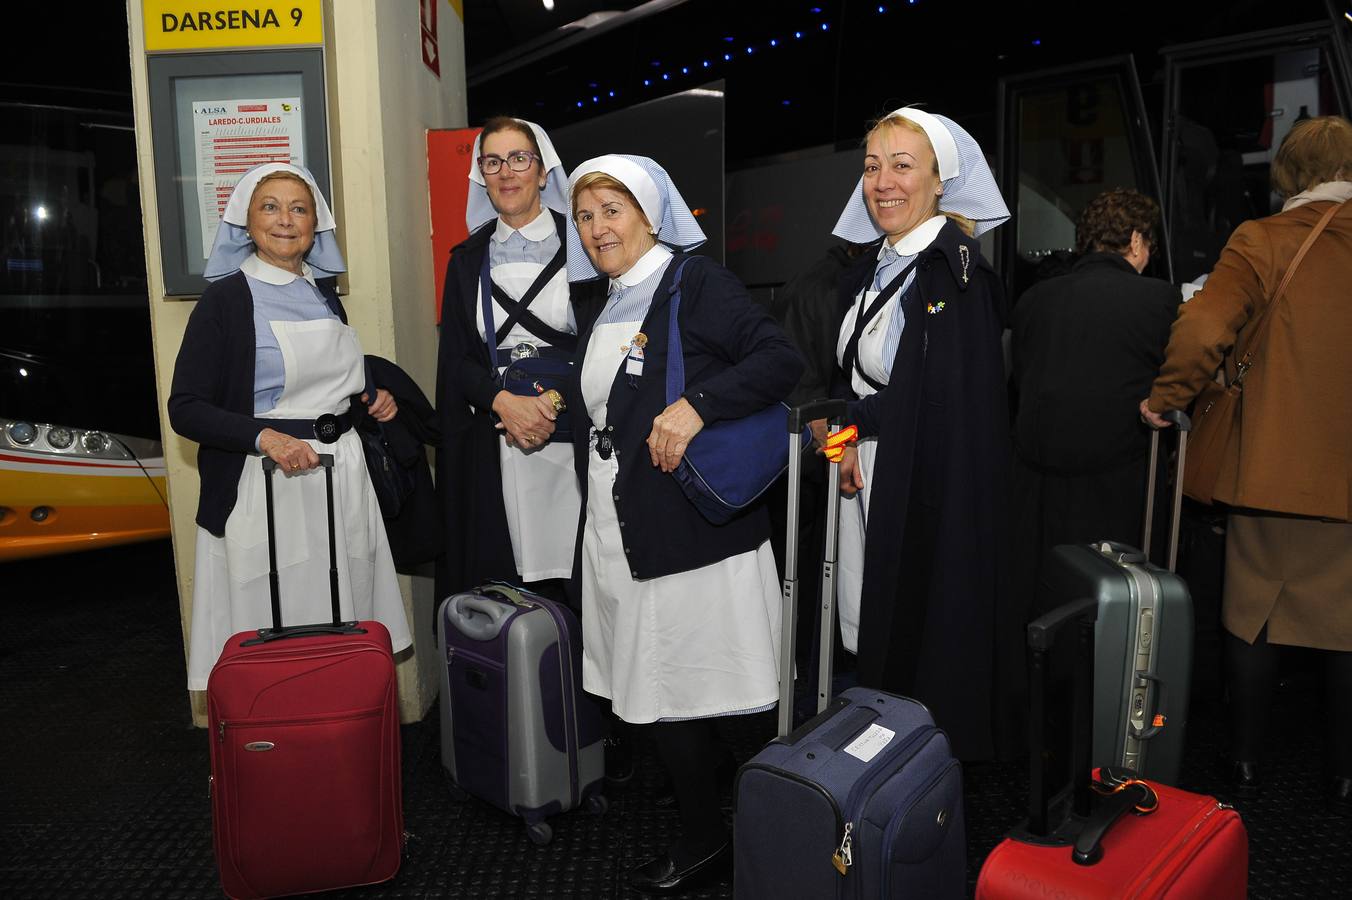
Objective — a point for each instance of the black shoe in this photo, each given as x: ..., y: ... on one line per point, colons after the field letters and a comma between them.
x: 1340, y: 796
x: 665, y: 796
x: 1244, y: 780
x: 619, y: 761
x: 661, y: 875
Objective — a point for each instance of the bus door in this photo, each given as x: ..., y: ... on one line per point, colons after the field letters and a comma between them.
x: 1066, y: 136
x: 1228, y: 105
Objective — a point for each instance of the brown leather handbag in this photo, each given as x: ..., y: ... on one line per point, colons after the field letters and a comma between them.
x: 1216, y: 412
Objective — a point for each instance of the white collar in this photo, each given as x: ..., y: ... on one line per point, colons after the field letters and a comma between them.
x: 915, y: 240
x: 267, y: 272
x: 1337, y: 191
x: 539, y: 228
x: 647, y: 264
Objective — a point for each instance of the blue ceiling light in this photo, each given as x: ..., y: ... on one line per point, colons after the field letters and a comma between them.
x: 685, y: 70
x: 774, y: 43
x: 657, y: 63
x: 798, y: 35
x: 666, y: 77
x: 727, y: 56
x: 706, y: 64
x: 647, y: 82
x: 1037, y: 42
x: 729, y: 39
x: 579, y: 103
x: 596, y: 99
x: 882, y: 9
x: 825, y: 26
x: 816, y: 9
x: 785, y: 102
x: 612, y: 93
x: 750, y: 50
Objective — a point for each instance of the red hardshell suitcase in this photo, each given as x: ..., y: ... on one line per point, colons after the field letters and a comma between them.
x: 305, y: 751
x: 1093, y: 846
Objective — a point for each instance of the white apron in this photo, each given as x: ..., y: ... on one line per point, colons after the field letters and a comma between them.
x: 539, y: 484
x: 323, y: 365
x: 854, y: 509
x: 690, y: 645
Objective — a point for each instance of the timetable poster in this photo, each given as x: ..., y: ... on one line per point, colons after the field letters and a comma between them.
x: 233, y: 136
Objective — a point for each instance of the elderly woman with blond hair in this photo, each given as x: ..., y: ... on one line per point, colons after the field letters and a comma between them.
x: 1287, y: 479
x: 922, y: 557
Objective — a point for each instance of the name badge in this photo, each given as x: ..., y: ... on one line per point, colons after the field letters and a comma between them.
x: 633, y: 363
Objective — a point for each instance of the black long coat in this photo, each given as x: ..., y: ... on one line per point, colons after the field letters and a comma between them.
x: 1087, y: 346
x: 469, y: 479
x: 934, y: 623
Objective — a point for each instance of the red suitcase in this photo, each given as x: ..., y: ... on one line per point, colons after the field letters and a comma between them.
x: 1142, y: 840
x: 305, y: 753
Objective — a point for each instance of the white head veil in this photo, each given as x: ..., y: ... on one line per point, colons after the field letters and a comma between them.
x: 233, y: 245
x: 652, y: 187
x: 969, y: 186
x: 479, y: 208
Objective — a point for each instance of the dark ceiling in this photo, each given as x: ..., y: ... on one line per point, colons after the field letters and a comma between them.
x: 803, y: 73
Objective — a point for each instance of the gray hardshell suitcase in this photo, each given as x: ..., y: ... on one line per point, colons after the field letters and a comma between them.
x: 517, y: 730
x: 864, y: 800
x: 1143, y: 637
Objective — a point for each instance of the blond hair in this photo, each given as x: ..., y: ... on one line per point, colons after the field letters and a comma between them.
x: 1315, y: 151
x: 895, y: 120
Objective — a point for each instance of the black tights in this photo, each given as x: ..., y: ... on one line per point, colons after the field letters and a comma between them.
x: 688, y: 750
x: 1253, y: 677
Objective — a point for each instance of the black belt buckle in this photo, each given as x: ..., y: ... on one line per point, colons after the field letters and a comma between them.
x: 605, y: 445
x: 326, y: 429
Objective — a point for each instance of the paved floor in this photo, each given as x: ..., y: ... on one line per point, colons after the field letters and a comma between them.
x: 103, y: 783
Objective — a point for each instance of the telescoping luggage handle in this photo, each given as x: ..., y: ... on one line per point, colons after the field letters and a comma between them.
x: 1184, y: 425
x: 833, y: 411
x: 281, y: 632
x: 1090, y: 824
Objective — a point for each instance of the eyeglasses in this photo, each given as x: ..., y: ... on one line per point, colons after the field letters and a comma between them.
x: 517, y: 161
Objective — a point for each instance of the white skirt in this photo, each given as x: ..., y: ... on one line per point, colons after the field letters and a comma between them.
x: 850, y: 554
x: 230, y: 578
x: 690, y: 645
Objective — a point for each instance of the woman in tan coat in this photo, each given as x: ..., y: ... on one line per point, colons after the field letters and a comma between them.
x: 1288, y: 480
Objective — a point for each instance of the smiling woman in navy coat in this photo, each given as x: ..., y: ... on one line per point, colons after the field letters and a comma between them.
x: 680, y: 618
x: 934, y: 621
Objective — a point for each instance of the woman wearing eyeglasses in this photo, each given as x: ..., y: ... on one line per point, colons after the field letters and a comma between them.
x: 509, y: 493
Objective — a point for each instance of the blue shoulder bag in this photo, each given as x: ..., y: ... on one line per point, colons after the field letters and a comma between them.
x: 730, y: 463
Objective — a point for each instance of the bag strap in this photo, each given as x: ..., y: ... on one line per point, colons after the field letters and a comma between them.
x: 1260, y: 330
x: 675, y: 356
x: 850, y: 359
x: 517, y: 309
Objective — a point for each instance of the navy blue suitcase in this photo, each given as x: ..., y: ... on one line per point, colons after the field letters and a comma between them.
x: 865, y: 799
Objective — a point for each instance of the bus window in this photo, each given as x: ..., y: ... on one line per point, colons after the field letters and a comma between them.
x: 1067, y: 136
x: 1233, y: 103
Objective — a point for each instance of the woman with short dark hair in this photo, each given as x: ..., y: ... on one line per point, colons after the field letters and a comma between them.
x: 1086, y: 345
x: 1287, y: 479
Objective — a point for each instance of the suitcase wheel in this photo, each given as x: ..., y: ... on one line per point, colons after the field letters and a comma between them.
x: 540, y: 833
x: 597, y: 804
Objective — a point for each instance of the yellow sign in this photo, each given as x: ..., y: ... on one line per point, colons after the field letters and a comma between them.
x: 225, y: 25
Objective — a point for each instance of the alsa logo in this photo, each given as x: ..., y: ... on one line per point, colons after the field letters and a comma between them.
x: 212, y: 110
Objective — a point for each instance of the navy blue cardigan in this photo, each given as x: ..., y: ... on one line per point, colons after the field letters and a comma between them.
x: 737, y: 361
x: 211, y: 400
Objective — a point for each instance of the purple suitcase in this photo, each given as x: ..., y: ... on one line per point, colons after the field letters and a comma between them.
x: 516, y: 728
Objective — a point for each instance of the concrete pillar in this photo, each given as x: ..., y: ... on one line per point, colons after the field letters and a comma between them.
x: 381, y: 101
